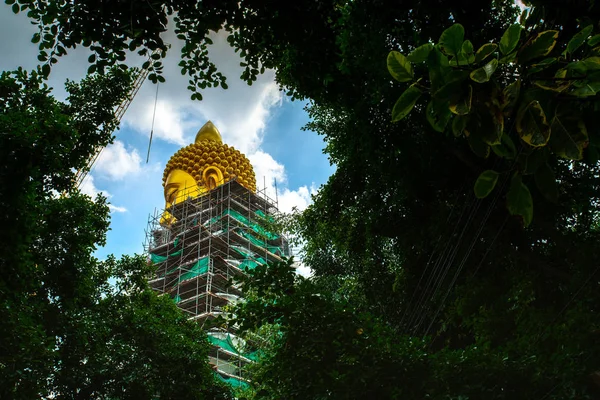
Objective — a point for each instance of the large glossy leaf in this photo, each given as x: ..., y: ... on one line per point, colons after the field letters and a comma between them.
x: 461, y: 105
x: 541, y: 45
x: 438, y: 68
x: 485, y: 51
x: 569, y: 137
x: 399, y: 67
x: 452, y: 39
x: 510, y: 39
x: 405, y: 103
x: 486, y: 182
x: 506, y: 148
x: 541, y: 65
x: 532, y: 125
x: 483, y: 74
x: 578, y: 39
x: 594, y: 40
x: 519, y: 201
x: 585, y: 88
x: 510, y: 96
x: 477, y: 145
x: 438, y: 115
x: 492, y: 125
x: 459, y: 123
x: 546, y: 183
x: 420, y: 54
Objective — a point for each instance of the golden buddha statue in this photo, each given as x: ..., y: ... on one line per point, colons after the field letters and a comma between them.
x: 202, y: 166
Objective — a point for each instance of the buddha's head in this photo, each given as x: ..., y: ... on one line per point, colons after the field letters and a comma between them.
x: 202, y: 166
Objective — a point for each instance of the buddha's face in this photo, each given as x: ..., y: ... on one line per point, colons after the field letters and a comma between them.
x: 179, y: 186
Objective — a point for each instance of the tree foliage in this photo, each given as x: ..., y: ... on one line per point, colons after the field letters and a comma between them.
x: 533, y: 86
x: 75, y: 327
x: 420, y: 288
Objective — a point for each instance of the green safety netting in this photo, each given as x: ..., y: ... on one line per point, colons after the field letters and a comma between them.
x: 228, y: 345
x: 155, y: 258
x: 240, y: 218
x: 177, y: 299
x: 250, y: 257
x: 258, y: 242
x: 200, y: 267
x: 233, y: 382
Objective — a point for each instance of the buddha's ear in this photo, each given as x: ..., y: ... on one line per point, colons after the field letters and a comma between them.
x: 212, y: 177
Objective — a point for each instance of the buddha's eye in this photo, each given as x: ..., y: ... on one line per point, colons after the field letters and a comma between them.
x: 171, y: 195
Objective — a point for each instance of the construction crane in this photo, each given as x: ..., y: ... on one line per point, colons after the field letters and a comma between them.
x: 120, y: 111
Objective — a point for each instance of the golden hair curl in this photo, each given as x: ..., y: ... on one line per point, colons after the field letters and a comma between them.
x: 196, y: 157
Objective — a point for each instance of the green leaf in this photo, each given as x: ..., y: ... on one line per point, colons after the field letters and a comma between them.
x: 467, y: 47
x: 483, y: 74
x: 491, y: 125
x: 420, y: 54
x: 92, y: 58
x: 462, y: 105
x: 540, y: 46
x: 594, y: 40
x: 506, y: 149
x: 399, y: 67
x: 459, y: 123
x: 569, y: 137
x: 585, y: 89
x: 405, y: 103
x: 519, y: 200
x: 452, y: 39
x: 532, y: 126
x: 486, y: 182
x: 438, y: 68
x: 510, y: 39
x: 438, y: 115
x: 477, y: 145
x: 15, y: 8
x: 546, y: 183
x: 578, y: 39
x: 510, y: 96
x: 485, y: 51
x: 541, y: 65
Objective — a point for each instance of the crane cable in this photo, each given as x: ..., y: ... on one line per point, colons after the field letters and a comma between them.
x: 152, y: 128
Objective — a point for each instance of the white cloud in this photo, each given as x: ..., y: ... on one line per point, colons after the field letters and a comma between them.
x: 117, y: 208
x: 116, y: 163
x: 299, y: 199
x: 89, y: 187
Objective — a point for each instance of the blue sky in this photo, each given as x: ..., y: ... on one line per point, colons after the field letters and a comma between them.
x: 258, y: 120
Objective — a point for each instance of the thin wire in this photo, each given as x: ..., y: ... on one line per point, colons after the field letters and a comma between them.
x: 419, y: 304
x: 152, y: 129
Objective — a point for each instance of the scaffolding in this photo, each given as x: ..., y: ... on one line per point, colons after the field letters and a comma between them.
x: 217, y: 236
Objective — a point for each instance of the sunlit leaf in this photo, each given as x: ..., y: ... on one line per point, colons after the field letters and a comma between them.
x: 510, y: 39
x: 405, y: 103
x: 399, y: 67
x: 452, y: 39
x: 483, y: 74
x: 485, y: 51
x: 486, y: 182
x: 532, y: 125
x: 519, y: 201
x: 420, y: 54
x: 540, y: 46
x: 578, y: 39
